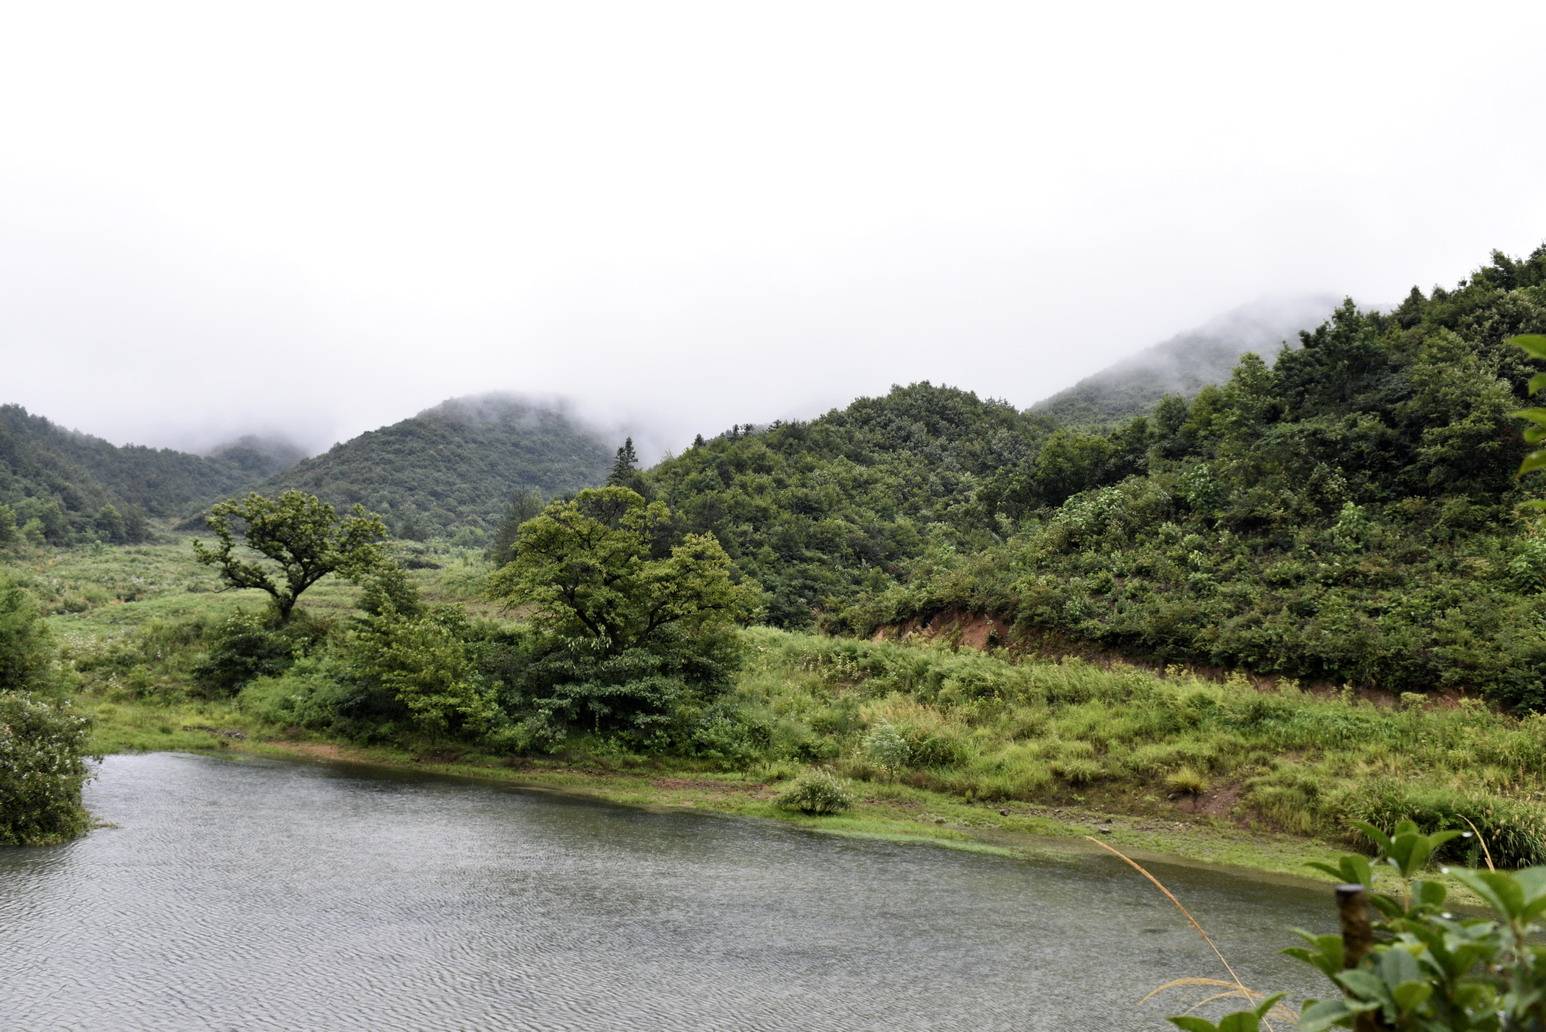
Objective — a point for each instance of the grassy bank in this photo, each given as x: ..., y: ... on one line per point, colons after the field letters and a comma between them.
x: 890, y: 811
x: 941, y: 744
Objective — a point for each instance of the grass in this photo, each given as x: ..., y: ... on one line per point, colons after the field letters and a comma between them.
x: 970, y: 749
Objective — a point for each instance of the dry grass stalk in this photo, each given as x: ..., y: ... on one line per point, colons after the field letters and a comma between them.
x: 1235, y: 987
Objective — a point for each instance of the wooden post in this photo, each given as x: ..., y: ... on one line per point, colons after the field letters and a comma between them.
x: 1357, y: 942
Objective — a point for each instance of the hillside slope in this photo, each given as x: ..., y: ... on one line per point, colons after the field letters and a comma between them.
x: 821, y: 512
x: 78, y: 487
x: 455, y: 465
x: 1349, y: 515
x: 1187, y: 362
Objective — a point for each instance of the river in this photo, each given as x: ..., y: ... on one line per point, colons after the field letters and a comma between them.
x: 260, y: 894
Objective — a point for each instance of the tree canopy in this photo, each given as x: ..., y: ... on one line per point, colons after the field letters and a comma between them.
x: 302, y: 538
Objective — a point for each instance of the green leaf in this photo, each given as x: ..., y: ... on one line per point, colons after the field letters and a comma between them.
x: 1240, y: 1021
x: 1373, y: 834
x: 1193, y: 1024
x: 1498, y: 890
x: 1364, y: 985
x: 1534, y: 343
x: 1319, y: 1015
x: 1410, y: 995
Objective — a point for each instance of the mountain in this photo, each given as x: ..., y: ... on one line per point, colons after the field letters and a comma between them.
x: 1349, y: 515
x: 456, y: 465
x: 78, y: 487
x: 821, y: 512
x: 259, y: 455
x: 1187, y: 362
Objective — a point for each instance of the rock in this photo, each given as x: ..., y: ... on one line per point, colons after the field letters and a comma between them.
x: 1104, y: 829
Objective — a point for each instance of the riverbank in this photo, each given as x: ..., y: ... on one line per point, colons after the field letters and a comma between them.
x: 892, y: 812
x: 972, y: 749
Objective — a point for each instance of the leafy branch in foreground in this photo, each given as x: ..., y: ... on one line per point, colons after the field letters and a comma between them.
x: 1403, y: 962
x: 1533, y: 344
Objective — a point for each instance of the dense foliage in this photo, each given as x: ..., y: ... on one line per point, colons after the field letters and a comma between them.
x: 61, y: 487
x: 821, y: 513
x: 630, y: 626
x: 1404, y: 962
x: 289, y: 543
x: 1348, y: 515
x: 42, y: 739
x: 455, y: 466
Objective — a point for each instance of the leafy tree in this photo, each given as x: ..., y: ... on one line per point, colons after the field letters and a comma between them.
x: 523, y: 506
x: 42, y: 739
x: 110, y: 524
x: 26, y: 652
x: 424, y: 663
x: 302, y: 538
x: 629, y: 630
x: 624, y: 467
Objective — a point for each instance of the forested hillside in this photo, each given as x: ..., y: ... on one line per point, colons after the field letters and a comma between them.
x: 456, y: 465
x: 1188, y: 362
x: 259, y: 455
x: 1350, y: 515
x: 821, y: 512
x: 61, y: 486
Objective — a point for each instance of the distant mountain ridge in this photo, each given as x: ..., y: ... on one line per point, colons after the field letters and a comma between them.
x: 457, y: 464
x: 1187, y: 362
x: 70, y: 486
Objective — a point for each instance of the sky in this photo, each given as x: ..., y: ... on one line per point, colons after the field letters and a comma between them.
x: 318, y: 218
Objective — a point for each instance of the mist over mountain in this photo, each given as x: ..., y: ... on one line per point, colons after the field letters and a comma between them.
x: 260, y: 454
x: 1189, y: 361
x: 71, y: 486
x: 457, y: 464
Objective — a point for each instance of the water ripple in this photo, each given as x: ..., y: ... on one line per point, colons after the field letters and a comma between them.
x: 263, y: 895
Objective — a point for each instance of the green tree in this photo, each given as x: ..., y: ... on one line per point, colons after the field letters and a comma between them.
x: 302, y: 538
x: 624, y: 467
x: 628, y: 629
x: 110, y: 525
x: 523, y: 506
x: 424, y: 662
x: 42, y: 739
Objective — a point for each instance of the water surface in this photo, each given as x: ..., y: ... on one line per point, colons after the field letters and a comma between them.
x: 256, y: 894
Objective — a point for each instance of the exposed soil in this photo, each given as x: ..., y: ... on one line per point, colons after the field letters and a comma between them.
x: 1218, y: 803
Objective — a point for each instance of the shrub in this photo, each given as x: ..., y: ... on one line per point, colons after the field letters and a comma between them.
x: 1186, y: 781
x: 1514, y: 832
x: 244, y: 647
x: 886, y: 748
x: 818, y: 793
x: 42, y: 769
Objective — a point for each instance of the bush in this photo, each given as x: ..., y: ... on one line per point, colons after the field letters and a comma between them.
x: 42, y: 769
x: 1514, y: 833
x: 886, y: 748
x: 1186, y: 781
x: 248, y: 646
x: 818, y: 793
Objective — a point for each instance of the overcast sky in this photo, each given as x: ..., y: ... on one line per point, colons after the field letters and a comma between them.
x: 323, y: 217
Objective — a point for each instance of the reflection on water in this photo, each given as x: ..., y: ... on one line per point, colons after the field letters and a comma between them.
x: 248, y: 894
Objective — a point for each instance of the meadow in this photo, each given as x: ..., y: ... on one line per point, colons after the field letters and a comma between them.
x: 937, y: 740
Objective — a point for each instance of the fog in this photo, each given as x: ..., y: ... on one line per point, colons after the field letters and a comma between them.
x: 317, y: 218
